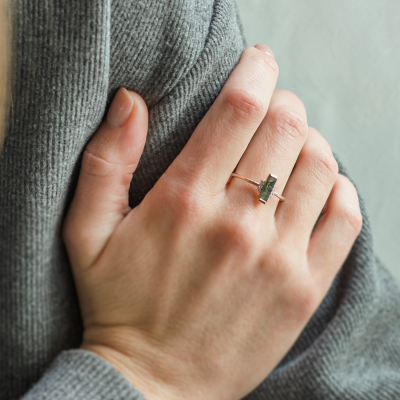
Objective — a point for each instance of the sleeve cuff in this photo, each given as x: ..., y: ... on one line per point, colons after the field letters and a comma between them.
x: 82, y: 375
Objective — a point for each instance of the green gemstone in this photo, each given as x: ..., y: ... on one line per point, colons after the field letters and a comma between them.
x: 267, y: 189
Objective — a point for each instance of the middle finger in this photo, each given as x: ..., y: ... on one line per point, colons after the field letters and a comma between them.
x: 222, y: 136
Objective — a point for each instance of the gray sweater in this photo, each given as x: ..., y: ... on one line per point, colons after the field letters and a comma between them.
x: 70, y: 57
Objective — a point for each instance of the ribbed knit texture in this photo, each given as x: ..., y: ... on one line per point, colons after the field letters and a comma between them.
x: 70, y: 57
x: 81, y: 375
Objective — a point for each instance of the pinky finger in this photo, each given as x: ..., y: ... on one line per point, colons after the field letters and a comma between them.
x: 335, y: 232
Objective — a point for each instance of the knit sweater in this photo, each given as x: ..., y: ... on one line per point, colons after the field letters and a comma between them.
x: 69, y: 58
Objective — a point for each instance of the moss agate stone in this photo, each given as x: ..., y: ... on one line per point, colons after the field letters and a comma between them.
x: 267, y: 189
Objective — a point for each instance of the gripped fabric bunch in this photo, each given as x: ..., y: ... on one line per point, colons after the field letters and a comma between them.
x: 69, y: 58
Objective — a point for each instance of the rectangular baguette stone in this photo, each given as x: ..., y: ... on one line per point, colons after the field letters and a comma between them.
x: 266, y: 191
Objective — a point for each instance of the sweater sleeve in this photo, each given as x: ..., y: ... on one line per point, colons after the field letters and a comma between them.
x: 82, y: 375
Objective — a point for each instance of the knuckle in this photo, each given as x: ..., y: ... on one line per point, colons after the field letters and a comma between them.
x: 299, y: 295
x: 188, y: 203
x: 287, y: 123
x: 262, y: 60
x: 184, y: 201
x: 325, y: 163
x: 267, y: 64
x: 244, y: 104
x: 96, y: 165
x: 238, y: 235
x: 351, y: 218
x: 282, y: 264
x: 305, y: 300
x: 250, y: 104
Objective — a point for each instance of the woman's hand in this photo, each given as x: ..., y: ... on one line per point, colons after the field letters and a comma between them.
x: 200, y: 291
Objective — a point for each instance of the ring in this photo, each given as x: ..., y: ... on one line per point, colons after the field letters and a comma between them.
x: 266, y: 189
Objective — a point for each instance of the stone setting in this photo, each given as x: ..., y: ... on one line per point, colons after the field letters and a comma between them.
x: 267, y: 188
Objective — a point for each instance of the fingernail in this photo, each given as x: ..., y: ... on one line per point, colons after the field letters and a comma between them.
x: 120, y: 109
x: 266, y: 49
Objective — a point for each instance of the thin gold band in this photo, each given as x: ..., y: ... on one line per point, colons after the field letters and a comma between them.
x: 235, y: 175
x: 245, y: 179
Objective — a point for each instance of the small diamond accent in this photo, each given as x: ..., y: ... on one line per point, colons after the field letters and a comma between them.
x: 260, y: 186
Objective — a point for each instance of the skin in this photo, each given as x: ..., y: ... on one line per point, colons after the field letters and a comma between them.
x: 201, y: 290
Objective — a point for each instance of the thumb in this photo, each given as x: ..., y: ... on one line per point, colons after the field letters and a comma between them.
x: 101, y: 199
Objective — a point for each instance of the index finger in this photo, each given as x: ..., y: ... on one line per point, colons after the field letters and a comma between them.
x: 223, y: 135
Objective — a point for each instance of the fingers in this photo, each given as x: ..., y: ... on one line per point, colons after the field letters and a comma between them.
x: 335, y: 233
x: 307, y: 189
x: 273, y: 149
x: 222, y: 136
x: 110, y: 158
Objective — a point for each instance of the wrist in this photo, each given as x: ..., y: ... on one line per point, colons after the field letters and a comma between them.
x: 155, y: 375
x: 150, y: 389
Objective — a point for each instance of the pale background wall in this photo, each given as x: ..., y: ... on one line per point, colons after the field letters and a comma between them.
x: 342, y: 59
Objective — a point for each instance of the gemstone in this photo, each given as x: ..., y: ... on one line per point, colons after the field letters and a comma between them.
x: 268, y: 188
x: 260, y: 186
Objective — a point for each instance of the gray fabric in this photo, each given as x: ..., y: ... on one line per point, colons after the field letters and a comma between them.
x: 80, y: 374
x: 70, y: 57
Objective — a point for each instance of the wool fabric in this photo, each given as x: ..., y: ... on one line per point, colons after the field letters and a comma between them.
x: 69, y: 59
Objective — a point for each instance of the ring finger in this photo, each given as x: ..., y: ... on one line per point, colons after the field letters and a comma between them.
x: 274, y: 149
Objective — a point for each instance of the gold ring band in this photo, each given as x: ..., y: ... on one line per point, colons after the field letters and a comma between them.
x: 266, y: 189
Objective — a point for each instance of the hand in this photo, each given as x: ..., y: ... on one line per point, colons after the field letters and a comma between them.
x: 201, y: 290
